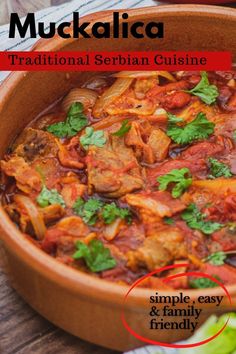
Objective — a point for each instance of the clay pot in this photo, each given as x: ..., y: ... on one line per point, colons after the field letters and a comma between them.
x: 85, y: 306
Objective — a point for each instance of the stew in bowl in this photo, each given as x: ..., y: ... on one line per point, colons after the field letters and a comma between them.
x: 130, y: 172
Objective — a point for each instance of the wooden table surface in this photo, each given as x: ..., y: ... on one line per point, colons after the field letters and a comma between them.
x: 23, y: 331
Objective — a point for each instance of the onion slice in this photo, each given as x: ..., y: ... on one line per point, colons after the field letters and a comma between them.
x: 113, y: 92
x: 86, y: 96
x: 35, y: 216
x: 144, y: 74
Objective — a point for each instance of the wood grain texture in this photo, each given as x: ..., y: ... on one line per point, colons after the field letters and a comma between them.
x: 23, y: 331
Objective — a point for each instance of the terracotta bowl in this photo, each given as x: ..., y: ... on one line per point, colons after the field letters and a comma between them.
x: 80, y: 304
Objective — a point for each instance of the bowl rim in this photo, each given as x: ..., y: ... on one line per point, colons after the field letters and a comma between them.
x: 66, y: 277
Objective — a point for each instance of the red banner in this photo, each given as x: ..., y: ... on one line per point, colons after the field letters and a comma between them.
x: 114, y: 61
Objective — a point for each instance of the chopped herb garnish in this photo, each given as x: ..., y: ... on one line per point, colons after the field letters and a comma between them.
x: 208, y: 93
x: 74, y: 122
x: 169, y: 221
x: 88, y: 211
x: 92, y: 137
x: 199, y: 128
x: 217, y: 258
x: 219, y: 169
x: 195, y: 220
x: 125, y: 127
x: 111, y: 212
x: 181, y: 178
x: 204, y: 283
x: 96, y: 256
x: 93, y: 208
x: 48, y: 197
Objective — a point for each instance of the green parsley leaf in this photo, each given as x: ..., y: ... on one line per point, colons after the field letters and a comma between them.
x: 92, y: 137
x: 49, y: 197
x: 219, y: 169
x: 111, y: 212
x: 217, y: 258
x: 208, y: 93
x: 96, y: 256
x: 74, y: 123
x: 199, y: 128
x: 87, y: 210
x: 182, y: 179
x: 195, y: 220
x: 172, y: 119
x: 168, y: 221
x: 204, y: 283
x: 125, y: 127
x: 59, y: 129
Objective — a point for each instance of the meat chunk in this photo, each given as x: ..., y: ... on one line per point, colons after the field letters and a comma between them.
x: 71, y: 191
x: 158, y: 204
x: 34, y: 143
x: 198, y: 169
x: 158, y: 93
x: 52, y: 213
x: 151, y: 255
x: 225, y: 124
x: 113, y: 169
x: 128, y: 103
x: 27, y: 179
x: 71, y: 229
x: 206, y: 149
x: 159, y: 142
x: 73, y: 226
x: 158, y: 250
x: 69, y: 154
x: 176, y: 100
x: 134, y: 139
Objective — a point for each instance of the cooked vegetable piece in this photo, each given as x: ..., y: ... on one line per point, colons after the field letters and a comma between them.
x: 217, y: 258
x: 181, y: 178
x: 92, y: 137
x: 125, y: 127
x: 111, y: 212
x: 49, y: 197
x: 225, y: 341
x: 159, y: 143
x: 219, y: 169
x: 204, y: 283
x: 208, y: 93
x: 157, y: 204
x: 27, y: 178
x: 74, y: 123
x: 195, y: 220
x: 33, y: 213
x: 110, y: 95
x: 88, y: 210
x: 197, y: 129
x: 96, y: 256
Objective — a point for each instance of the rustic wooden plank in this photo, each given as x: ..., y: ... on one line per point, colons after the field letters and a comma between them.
x: 59, y: 342
x: 22, y: 330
